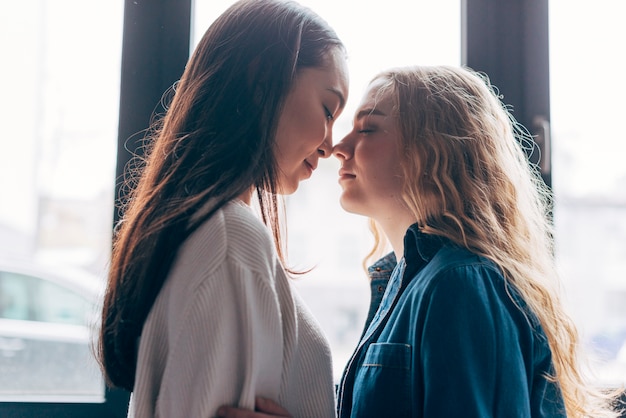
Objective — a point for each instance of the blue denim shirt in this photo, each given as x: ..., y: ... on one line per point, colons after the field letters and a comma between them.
x: 447, y: 337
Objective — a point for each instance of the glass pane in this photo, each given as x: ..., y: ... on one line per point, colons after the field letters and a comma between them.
x: 589, y: 146
x: 54, y: 303
x: 14, y: 296
x: 57, y: 173
x: 320, y: 233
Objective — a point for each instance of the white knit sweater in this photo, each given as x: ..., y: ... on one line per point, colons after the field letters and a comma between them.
x: 227, y: 326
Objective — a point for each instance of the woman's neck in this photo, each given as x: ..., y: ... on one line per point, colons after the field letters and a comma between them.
x: 246, y: 197
x: 395, y: 229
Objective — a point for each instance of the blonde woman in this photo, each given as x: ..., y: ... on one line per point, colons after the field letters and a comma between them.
x: 471, y: 323
x: 468, y: 321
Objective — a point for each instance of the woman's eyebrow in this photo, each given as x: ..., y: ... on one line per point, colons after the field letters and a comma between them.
x: 368, y: 112
x: 342, y: 100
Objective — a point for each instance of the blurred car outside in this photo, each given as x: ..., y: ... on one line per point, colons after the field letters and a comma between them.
x: 48, y: 315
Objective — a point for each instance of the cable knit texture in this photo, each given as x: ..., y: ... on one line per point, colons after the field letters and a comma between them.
x: 228, y: 326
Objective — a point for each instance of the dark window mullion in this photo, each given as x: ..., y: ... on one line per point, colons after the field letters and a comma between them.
x: 508, y: 40
x: 154, y: 53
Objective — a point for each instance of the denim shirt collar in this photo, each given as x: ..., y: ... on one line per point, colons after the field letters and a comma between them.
x: 382, y: 267
x: 419, y: 249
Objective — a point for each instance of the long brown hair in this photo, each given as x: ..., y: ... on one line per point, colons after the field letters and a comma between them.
x: 470, y: 181
x: 214, y: 143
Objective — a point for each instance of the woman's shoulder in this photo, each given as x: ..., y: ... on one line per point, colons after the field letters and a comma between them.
x: 236, y: 233
x: 461, y: 267
x: 460, y: 277
x: 232, y: 228
x: 244, y: 229
x: 456, y: 272
x: 232, y: 236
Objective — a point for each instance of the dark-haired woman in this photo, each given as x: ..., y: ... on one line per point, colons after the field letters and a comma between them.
x: 198, y: 310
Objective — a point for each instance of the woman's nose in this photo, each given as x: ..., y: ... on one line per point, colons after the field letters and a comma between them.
x: 326, y: 149
x: 341, y: 150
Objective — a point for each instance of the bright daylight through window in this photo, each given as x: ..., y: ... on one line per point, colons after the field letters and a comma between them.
x: 57, y: 174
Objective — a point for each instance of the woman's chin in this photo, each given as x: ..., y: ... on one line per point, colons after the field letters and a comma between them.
x: 350, y: 206
x: 287, y: 188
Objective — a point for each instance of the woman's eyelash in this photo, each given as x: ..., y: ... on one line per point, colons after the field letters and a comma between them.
x: 329, y: 115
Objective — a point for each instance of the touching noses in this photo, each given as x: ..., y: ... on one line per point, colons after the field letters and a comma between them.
x: 326, y: 149
x: 342, y: 150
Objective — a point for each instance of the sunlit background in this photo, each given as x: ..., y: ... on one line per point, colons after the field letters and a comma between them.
x: 59, y: 112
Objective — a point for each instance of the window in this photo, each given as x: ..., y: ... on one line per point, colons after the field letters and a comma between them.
x: 53, y: 303
x: 45, y: 324
x: 28, y: 298
x: 60, y: 77
x: 588, y: 148
x: 14, y: 297
x: 61, y: 83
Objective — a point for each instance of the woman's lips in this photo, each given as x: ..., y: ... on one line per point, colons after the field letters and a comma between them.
x: 345, y: 175
x: 310, y: 167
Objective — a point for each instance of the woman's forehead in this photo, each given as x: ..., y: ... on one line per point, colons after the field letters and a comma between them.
x: 377, y: 96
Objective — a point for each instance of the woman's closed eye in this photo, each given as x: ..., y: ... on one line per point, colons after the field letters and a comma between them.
x: 329, y: 114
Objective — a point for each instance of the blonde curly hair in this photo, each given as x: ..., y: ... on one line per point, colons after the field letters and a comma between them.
x: 468, y: 179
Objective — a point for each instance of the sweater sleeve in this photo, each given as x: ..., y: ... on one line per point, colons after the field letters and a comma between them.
x: 227, y: 347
